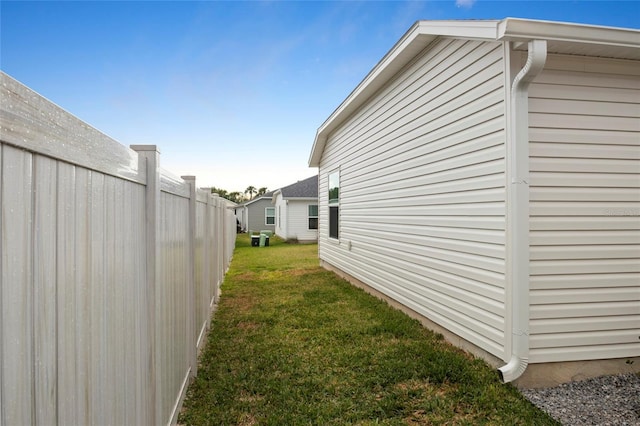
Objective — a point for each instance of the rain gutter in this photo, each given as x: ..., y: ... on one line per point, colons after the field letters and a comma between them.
x: 519, y: 211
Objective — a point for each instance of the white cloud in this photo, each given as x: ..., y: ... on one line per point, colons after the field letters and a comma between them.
x: 465, y: 4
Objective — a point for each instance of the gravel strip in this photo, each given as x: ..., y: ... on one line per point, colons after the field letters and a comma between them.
x: 602, y: 401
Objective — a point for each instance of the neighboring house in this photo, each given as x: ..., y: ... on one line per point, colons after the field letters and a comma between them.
x: 297, y: 210
x: 258, y: 214
x: 485, y: 176
x: 240, y: 216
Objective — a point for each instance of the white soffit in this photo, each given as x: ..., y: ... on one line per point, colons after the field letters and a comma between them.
x: 574, y: 39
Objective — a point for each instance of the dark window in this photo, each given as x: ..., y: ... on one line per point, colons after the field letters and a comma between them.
x: 270, y: 216
x: 334, y: 204
x: 313, y: 216
x: 333, y: 222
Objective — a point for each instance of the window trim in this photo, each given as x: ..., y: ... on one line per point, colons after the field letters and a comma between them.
x: 309, y: 217
x: 333, y: 203
x: 266, y: 216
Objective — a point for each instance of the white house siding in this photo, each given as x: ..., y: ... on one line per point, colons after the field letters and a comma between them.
x: 245, y: 219
x: 281, y: 217
x: 242, y: 217
x: 585, y: 210
x: 298, y: 220
x: 422, y: 190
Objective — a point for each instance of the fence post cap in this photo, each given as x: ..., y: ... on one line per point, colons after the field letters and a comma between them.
x: 145, y: 148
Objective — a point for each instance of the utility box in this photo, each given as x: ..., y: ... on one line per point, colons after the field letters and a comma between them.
x: 255, y: 240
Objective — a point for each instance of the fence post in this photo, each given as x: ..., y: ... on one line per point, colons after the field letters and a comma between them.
x: 149, y: 397
x: 217, y: 240
x: 191, y: 278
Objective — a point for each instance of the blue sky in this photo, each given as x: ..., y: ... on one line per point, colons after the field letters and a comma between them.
x: 232, y: 92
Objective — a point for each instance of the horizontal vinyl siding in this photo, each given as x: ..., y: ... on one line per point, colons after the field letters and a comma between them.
x: 585, y: 210
x: 256, y: 217
x: 422, y: 198
x: 298, y: 221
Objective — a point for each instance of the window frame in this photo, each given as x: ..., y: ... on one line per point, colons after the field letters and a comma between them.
x: 333, y: 183
x: 310, y: 216
x: 267, y: 216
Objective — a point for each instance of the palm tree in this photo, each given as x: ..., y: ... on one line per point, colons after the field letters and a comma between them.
x: 250, y: 190
x: 262, y: 190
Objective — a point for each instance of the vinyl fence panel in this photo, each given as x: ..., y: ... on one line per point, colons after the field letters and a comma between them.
x: 109, y: 270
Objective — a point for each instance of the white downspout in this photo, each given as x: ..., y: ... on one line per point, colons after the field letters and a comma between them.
x: 519, y: 210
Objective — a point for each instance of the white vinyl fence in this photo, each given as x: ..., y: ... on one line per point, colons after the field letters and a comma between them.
x: 110, y: 268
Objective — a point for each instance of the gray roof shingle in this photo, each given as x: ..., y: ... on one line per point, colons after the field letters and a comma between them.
x: 307, y: 188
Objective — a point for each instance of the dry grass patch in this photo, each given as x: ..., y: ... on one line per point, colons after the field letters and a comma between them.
x: 243, y: 303
x: 247, y: 419
x: 245, y: 325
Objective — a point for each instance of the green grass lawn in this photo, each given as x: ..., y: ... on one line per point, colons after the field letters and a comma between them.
x: 293, y: 344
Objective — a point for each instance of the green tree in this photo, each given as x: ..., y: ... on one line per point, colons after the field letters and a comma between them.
x: 262, y: 191
x: 236, y: 197
x: 221, y: 192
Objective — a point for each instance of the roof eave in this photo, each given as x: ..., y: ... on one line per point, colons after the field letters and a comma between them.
x: 258, y: 198
x: 416, y: 39
x: 514, y: 29
x: 300, y: 198
x: 274, y: 197
x: 422, y: 33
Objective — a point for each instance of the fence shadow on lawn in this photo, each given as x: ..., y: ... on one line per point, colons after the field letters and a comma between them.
x: 292, y: 343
